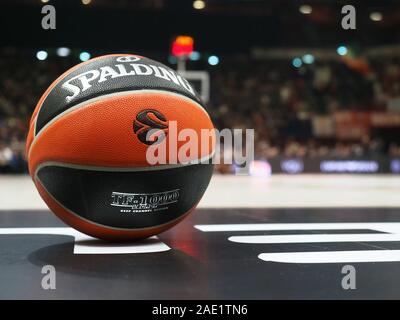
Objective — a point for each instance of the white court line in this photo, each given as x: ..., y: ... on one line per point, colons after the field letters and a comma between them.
x: 85, y: 244
x: 316, y: 238
x: 377, y: 226
x: 333, y: 256
x: 391, y: 234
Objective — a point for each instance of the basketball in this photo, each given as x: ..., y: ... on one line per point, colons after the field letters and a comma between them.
x: 89, y: 140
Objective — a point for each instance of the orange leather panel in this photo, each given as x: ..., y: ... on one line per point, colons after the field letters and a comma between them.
x: 101, y: 133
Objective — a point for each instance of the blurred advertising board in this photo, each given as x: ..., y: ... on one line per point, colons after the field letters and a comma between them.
x: 331, y: 165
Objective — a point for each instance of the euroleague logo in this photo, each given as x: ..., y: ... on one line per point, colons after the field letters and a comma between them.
x: 150, y: 126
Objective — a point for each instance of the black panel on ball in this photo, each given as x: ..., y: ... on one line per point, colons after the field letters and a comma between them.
x: 107, y: 75
x: 127, y: 199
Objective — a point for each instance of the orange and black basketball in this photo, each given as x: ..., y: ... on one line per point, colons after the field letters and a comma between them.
x: 87, y: 146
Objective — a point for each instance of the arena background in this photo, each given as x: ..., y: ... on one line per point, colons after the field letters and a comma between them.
x: 312, y: 91
x: 324, y: 103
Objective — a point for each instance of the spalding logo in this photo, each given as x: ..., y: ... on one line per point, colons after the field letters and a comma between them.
x: 150, y: 120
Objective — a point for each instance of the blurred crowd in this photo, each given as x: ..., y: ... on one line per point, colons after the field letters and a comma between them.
x: 279, y: 101
x: 273, y: 97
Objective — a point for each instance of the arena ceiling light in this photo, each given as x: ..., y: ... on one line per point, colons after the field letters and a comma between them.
x: 213, y: 60
x: 41, y: 55
x: 195, y: 56
x: 199, y: 4
x: 341, y: 50
x: 308, y: 58
x: 297, y: 63
x: 172, y: 59
x: 63, y: 52
x: 305, y: 9
x: 376, y: 16
x: 84, y: 56
x: 44, y: 1
x: 86, y: 2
